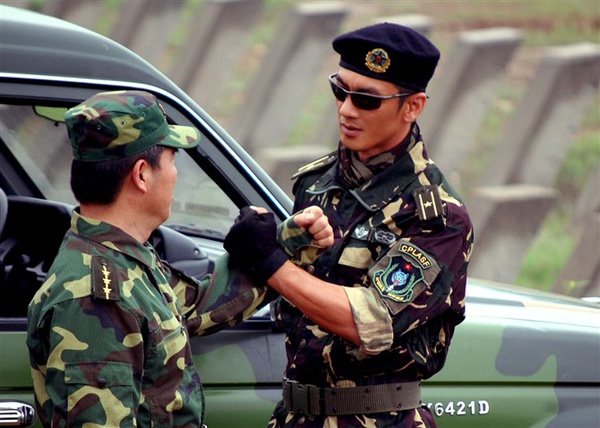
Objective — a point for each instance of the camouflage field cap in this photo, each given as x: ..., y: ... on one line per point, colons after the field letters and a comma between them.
x: 113, y: 125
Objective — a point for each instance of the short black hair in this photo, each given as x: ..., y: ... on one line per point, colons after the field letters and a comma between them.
x: 101, y: 182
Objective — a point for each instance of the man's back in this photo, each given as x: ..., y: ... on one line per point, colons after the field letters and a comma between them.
x: 107, y: 338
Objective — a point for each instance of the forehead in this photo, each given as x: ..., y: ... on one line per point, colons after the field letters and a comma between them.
x: 356, y: 81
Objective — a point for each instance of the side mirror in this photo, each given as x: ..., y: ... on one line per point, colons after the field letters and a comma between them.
x: 16, y: 414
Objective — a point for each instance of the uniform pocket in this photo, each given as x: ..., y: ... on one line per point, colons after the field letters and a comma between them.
x: 100, y: 391
x: 357, y: 254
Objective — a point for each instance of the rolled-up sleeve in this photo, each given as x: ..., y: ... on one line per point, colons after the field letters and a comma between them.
x: 372, y: 319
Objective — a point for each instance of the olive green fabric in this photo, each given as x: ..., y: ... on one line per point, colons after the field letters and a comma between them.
x: 108, y: 331
x: 113, y: 125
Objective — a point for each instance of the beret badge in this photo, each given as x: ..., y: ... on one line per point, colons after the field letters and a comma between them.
x: 377, y: 60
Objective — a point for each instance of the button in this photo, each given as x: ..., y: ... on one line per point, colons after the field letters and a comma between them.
x: 102, y: 383
x: 310, y: 269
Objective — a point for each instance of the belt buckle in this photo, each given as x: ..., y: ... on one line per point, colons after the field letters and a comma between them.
x: 300, y: 397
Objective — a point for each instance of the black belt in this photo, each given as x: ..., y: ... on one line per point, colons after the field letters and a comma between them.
x: 315, y: 401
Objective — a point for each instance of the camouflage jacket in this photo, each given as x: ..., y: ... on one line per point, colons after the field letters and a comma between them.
x: 108, y: 331
x: 403, y: 240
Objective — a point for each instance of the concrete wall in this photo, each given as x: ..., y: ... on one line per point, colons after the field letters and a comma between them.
x: 509, y: 201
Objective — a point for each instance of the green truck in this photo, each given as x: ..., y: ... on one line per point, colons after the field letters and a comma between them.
x: 521, y: 358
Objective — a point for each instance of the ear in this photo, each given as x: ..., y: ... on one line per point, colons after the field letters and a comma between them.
x: 414, y: 105
x: 140, y: 173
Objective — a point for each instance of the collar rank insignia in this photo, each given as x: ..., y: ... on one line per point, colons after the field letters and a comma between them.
x: 105, y: 285
x: 377, y: 60
x: 428, y: 202
x: 315, y: 164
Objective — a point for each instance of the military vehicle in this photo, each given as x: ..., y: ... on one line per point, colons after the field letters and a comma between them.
x: 521, y: 358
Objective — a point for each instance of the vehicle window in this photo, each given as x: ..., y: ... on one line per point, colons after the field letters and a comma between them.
x: 41, y: 147
x: 198, y: 202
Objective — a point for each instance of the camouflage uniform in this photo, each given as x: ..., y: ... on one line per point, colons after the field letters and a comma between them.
x: 108, y: 331
x: 404, y: 268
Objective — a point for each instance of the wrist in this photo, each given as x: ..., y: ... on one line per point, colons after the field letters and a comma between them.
x: 291, y: 237
x: 265, y: 268
x: 297, y: 242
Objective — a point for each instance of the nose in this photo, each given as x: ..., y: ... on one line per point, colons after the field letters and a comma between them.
x: 346, y: 108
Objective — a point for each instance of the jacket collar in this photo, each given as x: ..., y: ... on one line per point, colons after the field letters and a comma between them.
x: 112, y: 237
x: 378, y: 191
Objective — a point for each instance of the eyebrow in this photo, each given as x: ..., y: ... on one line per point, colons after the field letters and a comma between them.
x: 367, y: 90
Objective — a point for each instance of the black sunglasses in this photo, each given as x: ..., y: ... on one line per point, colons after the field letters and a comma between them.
x: 361, y: 100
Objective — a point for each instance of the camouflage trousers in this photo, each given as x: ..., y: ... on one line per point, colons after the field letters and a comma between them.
x: 417, y: 418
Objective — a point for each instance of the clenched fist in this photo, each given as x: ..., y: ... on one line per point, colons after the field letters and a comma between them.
x: 252, y: 243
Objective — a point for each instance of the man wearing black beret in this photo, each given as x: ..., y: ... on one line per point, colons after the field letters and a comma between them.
x: 373, y: 315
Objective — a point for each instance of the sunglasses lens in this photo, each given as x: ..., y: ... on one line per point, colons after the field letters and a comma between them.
x: 338, y: 92
x: 365, y: 102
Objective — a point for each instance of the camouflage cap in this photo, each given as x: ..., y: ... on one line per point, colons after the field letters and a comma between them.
x: 113, y: 125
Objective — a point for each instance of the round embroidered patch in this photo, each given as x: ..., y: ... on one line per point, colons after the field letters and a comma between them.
x: 377, y: 60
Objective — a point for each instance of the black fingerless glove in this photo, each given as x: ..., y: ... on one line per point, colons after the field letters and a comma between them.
x: 252, y: 244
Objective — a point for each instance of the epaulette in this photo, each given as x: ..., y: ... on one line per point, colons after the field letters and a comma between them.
x: 105, y: 284
x: 428, y: 203
x: 315, y: 165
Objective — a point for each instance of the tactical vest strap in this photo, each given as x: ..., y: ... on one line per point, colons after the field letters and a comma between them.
x: 315, y: 401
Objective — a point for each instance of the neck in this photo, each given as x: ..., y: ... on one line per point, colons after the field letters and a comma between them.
x: 124, y: 216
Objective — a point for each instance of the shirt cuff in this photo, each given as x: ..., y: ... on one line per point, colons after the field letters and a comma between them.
x: 373, y: 321
x: 297, y: 243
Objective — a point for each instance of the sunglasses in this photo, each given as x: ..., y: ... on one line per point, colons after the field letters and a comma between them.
x: 361, y: 100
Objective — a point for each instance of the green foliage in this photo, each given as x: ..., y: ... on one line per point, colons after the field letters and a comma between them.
x: 36, y: 5
x: 579, y: 164
x: 549, y: 253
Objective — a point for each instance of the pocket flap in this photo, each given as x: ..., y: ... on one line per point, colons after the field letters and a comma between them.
x: 105, y: 374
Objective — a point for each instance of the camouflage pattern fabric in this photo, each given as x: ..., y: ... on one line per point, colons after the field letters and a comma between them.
x: 113, y: 125
x: 403, y: 260
x: 297, y: 242
x: 108, y: 331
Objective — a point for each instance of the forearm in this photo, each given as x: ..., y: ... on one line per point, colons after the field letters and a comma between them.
x: 324, y: 303
x: 225, y: 298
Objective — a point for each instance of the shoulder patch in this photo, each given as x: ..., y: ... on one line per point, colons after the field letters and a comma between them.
x: 422, y: 259
x: 398, y: 280
x: 315, y: 165
x: 105, y: 284
x: 403, y: 273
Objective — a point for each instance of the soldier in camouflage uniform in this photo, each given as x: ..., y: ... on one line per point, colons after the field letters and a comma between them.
x: 375, y: 313
x: 108, y: 331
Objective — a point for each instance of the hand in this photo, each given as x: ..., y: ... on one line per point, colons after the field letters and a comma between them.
x: 317, y: 224
x: 305, y: 235
x: 252, y: 243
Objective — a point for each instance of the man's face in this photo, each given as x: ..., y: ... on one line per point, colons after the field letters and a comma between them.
x: 370, y: 132
x: 165, y: 178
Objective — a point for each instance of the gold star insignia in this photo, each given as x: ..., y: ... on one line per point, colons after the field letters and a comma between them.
x: 106, y: 281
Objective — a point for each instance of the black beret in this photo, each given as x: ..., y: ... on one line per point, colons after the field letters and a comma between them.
x: 390, y: 52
